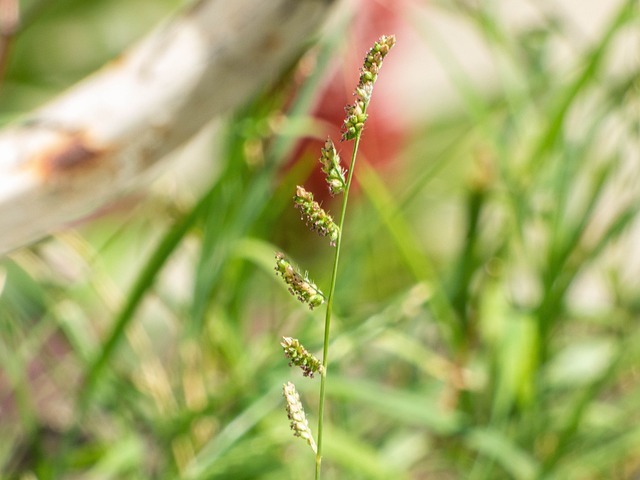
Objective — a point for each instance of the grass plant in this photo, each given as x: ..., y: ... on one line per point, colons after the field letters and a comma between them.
x: 339, y: 182
x: 483, y: 323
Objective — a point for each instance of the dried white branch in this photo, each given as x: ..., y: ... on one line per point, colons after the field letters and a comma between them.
x: 95, y: 141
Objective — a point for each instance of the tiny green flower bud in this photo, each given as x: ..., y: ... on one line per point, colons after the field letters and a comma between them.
x: 364, y: 91
x: 315, y: 300
x: 282, y: 266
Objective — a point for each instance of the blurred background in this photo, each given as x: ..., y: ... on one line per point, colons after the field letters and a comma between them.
x: 485, y: 314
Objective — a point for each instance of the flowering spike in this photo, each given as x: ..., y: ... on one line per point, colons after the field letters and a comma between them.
x: 336, y: 175
x: 299, y: 286
x: 316, y: 218
x: 356, y: 116
x: 300, y: 357
x: 295, y: 412
x: 354, y: 121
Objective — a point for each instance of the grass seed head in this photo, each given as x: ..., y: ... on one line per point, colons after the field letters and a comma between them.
x: 295, y: 412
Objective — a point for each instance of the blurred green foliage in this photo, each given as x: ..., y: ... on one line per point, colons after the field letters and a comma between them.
x: 485, y: 313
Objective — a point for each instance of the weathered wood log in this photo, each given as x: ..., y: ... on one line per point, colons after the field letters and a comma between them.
x: 95, y: 141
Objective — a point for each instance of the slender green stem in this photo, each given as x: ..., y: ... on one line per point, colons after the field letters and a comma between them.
x: 332, y: 288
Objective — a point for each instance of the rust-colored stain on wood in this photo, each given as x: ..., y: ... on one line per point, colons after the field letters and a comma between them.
x: 72, y: 155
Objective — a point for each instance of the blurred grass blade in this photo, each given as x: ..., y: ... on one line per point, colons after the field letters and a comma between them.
x: 142, y: 284
x: 593, y: 59
x: 239, y: 427
x: 358, y: 457
x: 411, y: 253
x: 518, y: 463
x: 409, y: 408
